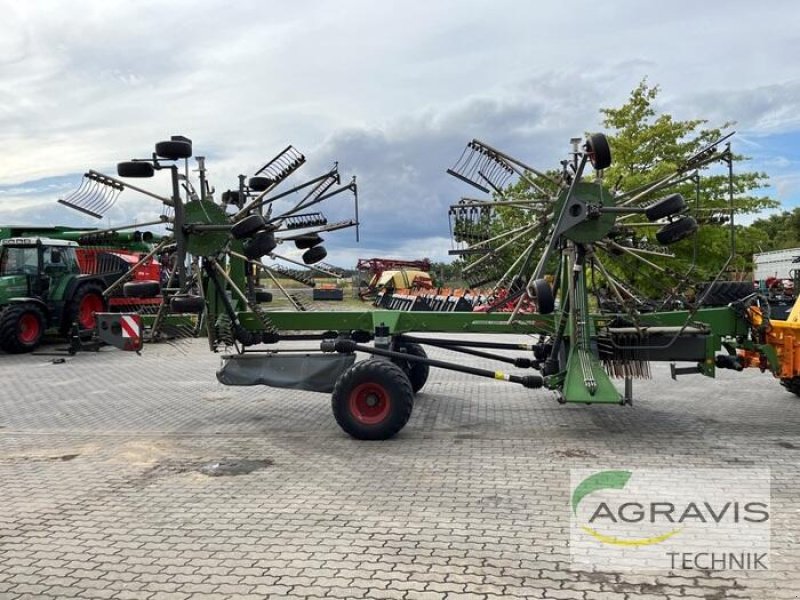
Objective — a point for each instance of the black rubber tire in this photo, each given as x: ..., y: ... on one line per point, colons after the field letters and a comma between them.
x: 259, y: 245
x: 135, y: 169
x: 174, y: 149
x: 599, y: 151
x: 372, y: 378
x: 141, y: 289
x: 416, y: 372
x: 72, y: 314
x: 308, y: 240
x: 792, y: 384
x: 13, y: 338
x: 259, y: 184
x: 545, y: 301
x: 247, y: 226
x: 263, y: 297
x: 724, y: 292
x: 676, y: 231
x: 187, y: 303
x: 314, y: 255
x: 665, y: 207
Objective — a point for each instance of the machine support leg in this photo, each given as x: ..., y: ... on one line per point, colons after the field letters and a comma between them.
x: 628, y: 397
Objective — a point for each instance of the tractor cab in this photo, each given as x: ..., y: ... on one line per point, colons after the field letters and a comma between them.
x: 35, y: 267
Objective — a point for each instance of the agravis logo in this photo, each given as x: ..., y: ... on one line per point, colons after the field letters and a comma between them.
x: 610, y: 480
x: 643, y: 518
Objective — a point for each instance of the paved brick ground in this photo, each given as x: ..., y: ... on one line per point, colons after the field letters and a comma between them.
x: 103, y: 492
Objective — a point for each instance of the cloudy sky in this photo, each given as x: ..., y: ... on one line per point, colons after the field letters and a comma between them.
x: 391, y: 89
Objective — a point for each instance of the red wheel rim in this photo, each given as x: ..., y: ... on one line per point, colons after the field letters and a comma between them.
x: 90, y: 304
x: 29, y: 328
x: 369, y: 403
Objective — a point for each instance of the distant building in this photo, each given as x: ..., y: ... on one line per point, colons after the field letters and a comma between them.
x: 777, y: 264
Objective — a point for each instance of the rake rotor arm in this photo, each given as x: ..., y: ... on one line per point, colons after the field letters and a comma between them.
x: 349, y: 187
x: 300, y: 264
x: 260, y: 200
x: 126, y: 185
x: 160, y: 221
x: 516, y: 162
x: 320, y: 229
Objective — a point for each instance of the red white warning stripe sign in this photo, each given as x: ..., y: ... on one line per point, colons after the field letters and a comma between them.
x: 130, y: 326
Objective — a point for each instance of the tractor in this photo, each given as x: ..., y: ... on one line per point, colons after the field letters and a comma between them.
x: 41, y: 288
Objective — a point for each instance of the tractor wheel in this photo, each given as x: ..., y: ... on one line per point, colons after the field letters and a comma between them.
x: 307, y: 241
x: 259, y: 184
x: 372, y: 400
x: 599, y: 151
x: 314, y: 255
x: 724, y: 292
x: 792, y: 384
x: 135, y: 169
x: 259, y: 245
x: 247, y: 226
x: 87, y: 300
x: 665, y: 207
x: 543, y: 296
x: 21, y: 328
x: 141, y: 289
x: 186, y: 303
x: 416, y: 372
x: 676, y: 231
x: 174, y: 149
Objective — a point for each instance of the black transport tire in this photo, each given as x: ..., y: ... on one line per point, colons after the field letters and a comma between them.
x: 174, y: 149
x: 247, y: 226
x: 259, y: 245
x: 666, y: 207
x: 314, y: 255
x: 259, y: 184
x: 372, y: 400
x: 723, y: 293
x: 599, y: 151
x: 676, y: 231
x: 187, y: 303
x: 87, y: 300
x: 135, y: 169
x: 543, y: 296
x: 792, y: 384
x: 416, y: 372
x: 263, y: 297
x: 308, y: 240
x: 141, y: 289
x: 21, y: 328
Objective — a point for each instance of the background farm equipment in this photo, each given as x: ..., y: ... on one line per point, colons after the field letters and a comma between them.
x: 95, y: 258
x: 41, y: 287
x: 381, y: 275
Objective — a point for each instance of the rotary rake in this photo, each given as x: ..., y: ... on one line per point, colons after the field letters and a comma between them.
x: 573, y: 248
x: 214, y: 251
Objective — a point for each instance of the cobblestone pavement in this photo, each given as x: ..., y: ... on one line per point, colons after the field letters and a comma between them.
x: 106, y: 464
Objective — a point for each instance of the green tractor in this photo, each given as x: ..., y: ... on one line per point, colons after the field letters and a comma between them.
x: 42, y: 287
